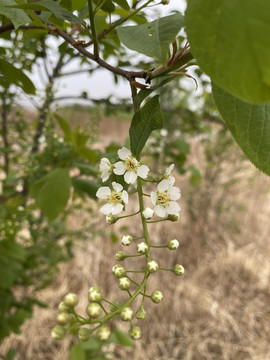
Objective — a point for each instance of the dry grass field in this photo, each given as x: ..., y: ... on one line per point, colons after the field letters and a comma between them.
x: 220, y: 309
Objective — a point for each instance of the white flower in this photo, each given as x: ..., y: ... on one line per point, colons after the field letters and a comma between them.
x: 173, y: 244
x: 130, y: 167
x: 114, y: 198
x: 104, y: 333
x: 148, y: 213
x: 152, y: 266
x: 164, y: 199
x: 106, y: 169
x: 126, y: 314
x: 142, y: 248
x: 126, y: 240
x: 168, y: 177
x: 163, y: 132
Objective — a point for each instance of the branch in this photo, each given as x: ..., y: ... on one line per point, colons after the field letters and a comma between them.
x: 9, y: 26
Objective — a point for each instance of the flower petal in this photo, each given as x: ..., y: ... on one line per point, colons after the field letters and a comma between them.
x: 153, y: 196
x: 103, y: 192
x: 119, y: 168
x: 105, y: 175
x: 169, y: 169
x: 104, y: 164
x: 171, y: 179
x: 125, y: 196
x: 116, y: 209
x: 174, y: 193
x: 163, y: 185
x: 160, y: 211
x: 117, y: 187
x: 173, y: 208
x: 130, y: 177
x: 143, y: 171
x: 106, y: 209
x: 123, y: 153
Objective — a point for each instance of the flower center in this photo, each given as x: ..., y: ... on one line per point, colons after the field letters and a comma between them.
x: 163, y: 198
x: 131, y: 163
x: 114, y: 198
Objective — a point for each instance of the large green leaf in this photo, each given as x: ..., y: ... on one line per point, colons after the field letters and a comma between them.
x: 77, y: 353
x: 54, y: 7
x: 144, y: 121
x: 152, y: 39
x: 53, y: 196
x: 17, y: 16
x: 13, y: 75
x: 230, y: 40
x: 249, y: 125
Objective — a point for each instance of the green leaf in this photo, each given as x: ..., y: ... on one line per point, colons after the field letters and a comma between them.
x: 10, y: 354
x: 85, y: 186
x: 120, y: 337
x: 64, y: 125
x: 144, y: 121
x: 88, y: 154
x: 249, y: 125
x: 230, y: 40
x: 17, y: 16
x: 13, y: 75
x: 53, y: 196
x: 54, y: 7
x: 152, y: 39
x: 77, y: 353
x: 122, y: 3
x: 108, y: 6
x: 195, y: 177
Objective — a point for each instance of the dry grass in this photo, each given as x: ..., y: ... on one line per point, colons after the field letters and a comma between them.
x: 219, y: 310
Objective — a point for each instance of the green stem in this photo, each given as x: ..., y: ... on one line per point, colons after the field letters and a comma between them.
x: 135, y: 271
x: 161, y: 268
x: 125, y: 216
x: 159, y: 246
x: 93, y: 29
x: 155, y: 221
x: 144, y: 222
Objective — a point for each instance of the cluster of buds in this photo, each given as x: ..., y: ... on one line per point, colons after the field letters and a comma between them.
x: 165, y: 206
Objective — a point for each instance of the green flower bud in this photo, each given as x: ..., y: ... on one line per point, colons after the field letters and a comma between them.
x: 124, y: 283
x: 103, y: 333
x: 58, y: 332
x: 152, y: 266
x: 165, y: 2
x: 126, y: 314
x: 142, y: 248
x: 63, y: 318
x: 120, y: 256
x: 126, y: 240
x: 173, y: 218
x: 84, y: 334
x: 94, y: 294
x: 63, y: 307
x: 140, y: 314
x: 71, y: 300
x: 173, y: 244
x: 156, y: 296
x: 135, y: 333
x: 93, y: 310
x: 111, y: 219
x: 118, y: 271
x: 179, y: 270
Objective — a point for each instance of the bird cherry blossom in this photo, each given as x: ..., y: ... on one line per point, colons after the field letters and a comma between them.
x: 130, y: 167
x: 165, y: 198
x: 115, y: 198
x: 106, y: 169
x: 168, y: 176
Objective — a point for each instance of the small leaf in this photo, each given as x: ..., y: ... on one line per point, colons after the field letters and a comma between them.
x: 107, y: 6
x: 77, y: 353
x: 53, y: 196
x: 85, y: 186
x: 144, y: 121
x: 120, y: 337
x: 152, y: 39
x: 88, y: 154
x: 249, y: 125
x: 231, y: 43
x: 195, y: 177
x: 122, y: 3
x: 13, y: 75
x: 64, y: 125
x: 17, y: 16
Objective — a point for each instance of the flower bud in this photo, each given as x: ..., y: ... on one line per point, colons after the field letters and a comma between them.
x: 63, y: 318
x: 140, y: 313
x: 126, y: 240
x: 124, y: 283
x: 111, y: 219
x: 135, y: 333
x: 103, y: 333
x: 120, y: 256
x: 173, y: 244
x: 84, y: 334
x: 118, y: 271
x: 71, y: 300
x: 173, y: 217
x: 179, y: 270
x: 148, y: 213
x: 156, y: 296
x: 142, y: 248
x: 63, y: 307
x: 93, y: 310
x: 165, y: 2
x: 58, y: 332
x: 152, y: 266
x: 94, y: 294
x: 126, y: 314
